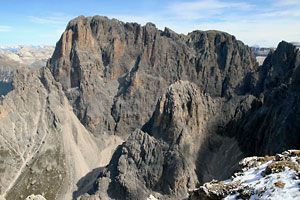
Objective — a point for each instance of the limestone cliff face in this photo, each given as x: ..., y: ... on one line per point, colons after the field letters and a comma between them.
x: 113, y: 72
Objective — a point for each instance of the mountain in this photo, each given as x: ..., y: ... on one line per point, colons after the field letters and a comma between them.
x: 44, y: 147
x: 14, y: 48
x: 124, y: 111
x: 113, y: 72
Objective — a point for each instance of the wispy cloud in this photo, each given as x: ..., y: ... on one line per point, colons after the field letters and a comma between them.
x: 206, y: 8
x: 54, y: 19
x: 5, y: 28
x: 281, y: 3
x: 283, y: 8
x: 253, y: 22
x: 295, y: 12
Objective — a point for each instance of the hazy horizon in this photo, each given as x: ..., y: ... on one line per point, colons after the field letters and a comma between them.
x: 254, y: 22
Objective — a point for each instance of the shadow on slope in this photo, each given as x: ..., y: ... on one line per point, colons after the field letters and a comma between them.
x: 5, y: 87
x: 86, y: 183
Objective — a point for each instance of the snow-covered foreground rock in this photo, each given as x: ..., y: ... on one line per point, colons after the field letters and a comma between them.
x: 35, y: 197
x: 269, y: 177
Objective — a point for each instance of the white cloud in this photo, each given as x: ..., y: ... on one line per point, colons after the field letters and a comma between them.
x: 5, y: 28
x: 283, y: 8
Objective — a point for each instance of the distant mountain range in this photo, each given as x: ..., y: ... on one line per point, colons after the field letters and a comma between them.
x: 18, y: 57
x: 14, y: 48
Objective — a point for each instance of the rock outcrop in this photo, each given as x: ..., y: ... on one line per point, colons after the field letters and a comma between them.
x: 113, y: 72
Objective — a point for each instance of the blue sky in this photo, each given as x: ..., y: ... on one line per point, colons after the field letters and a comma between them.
x: 255, y: 22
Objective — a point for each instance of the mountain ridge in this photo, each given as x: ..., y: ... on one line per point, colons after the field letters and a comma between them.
x: 139, y: 59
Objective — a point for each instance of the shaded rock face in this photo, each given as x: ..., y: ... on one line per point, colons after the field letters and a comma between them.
x: 113, y: 73
x: 272, y: 125
x: 178, y: 149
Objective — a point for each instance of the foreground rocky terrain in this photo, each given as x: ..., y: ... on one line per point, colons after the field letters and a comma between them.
x: 184, y: 109
x: 269, y: 177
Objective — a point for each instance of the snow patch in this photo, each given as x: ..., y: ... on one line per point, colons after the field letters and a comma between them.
x: 35, y: 197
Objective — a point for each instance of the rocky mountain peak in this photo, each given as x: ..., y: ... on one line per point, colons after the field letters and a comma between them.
x: 179, y: 107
